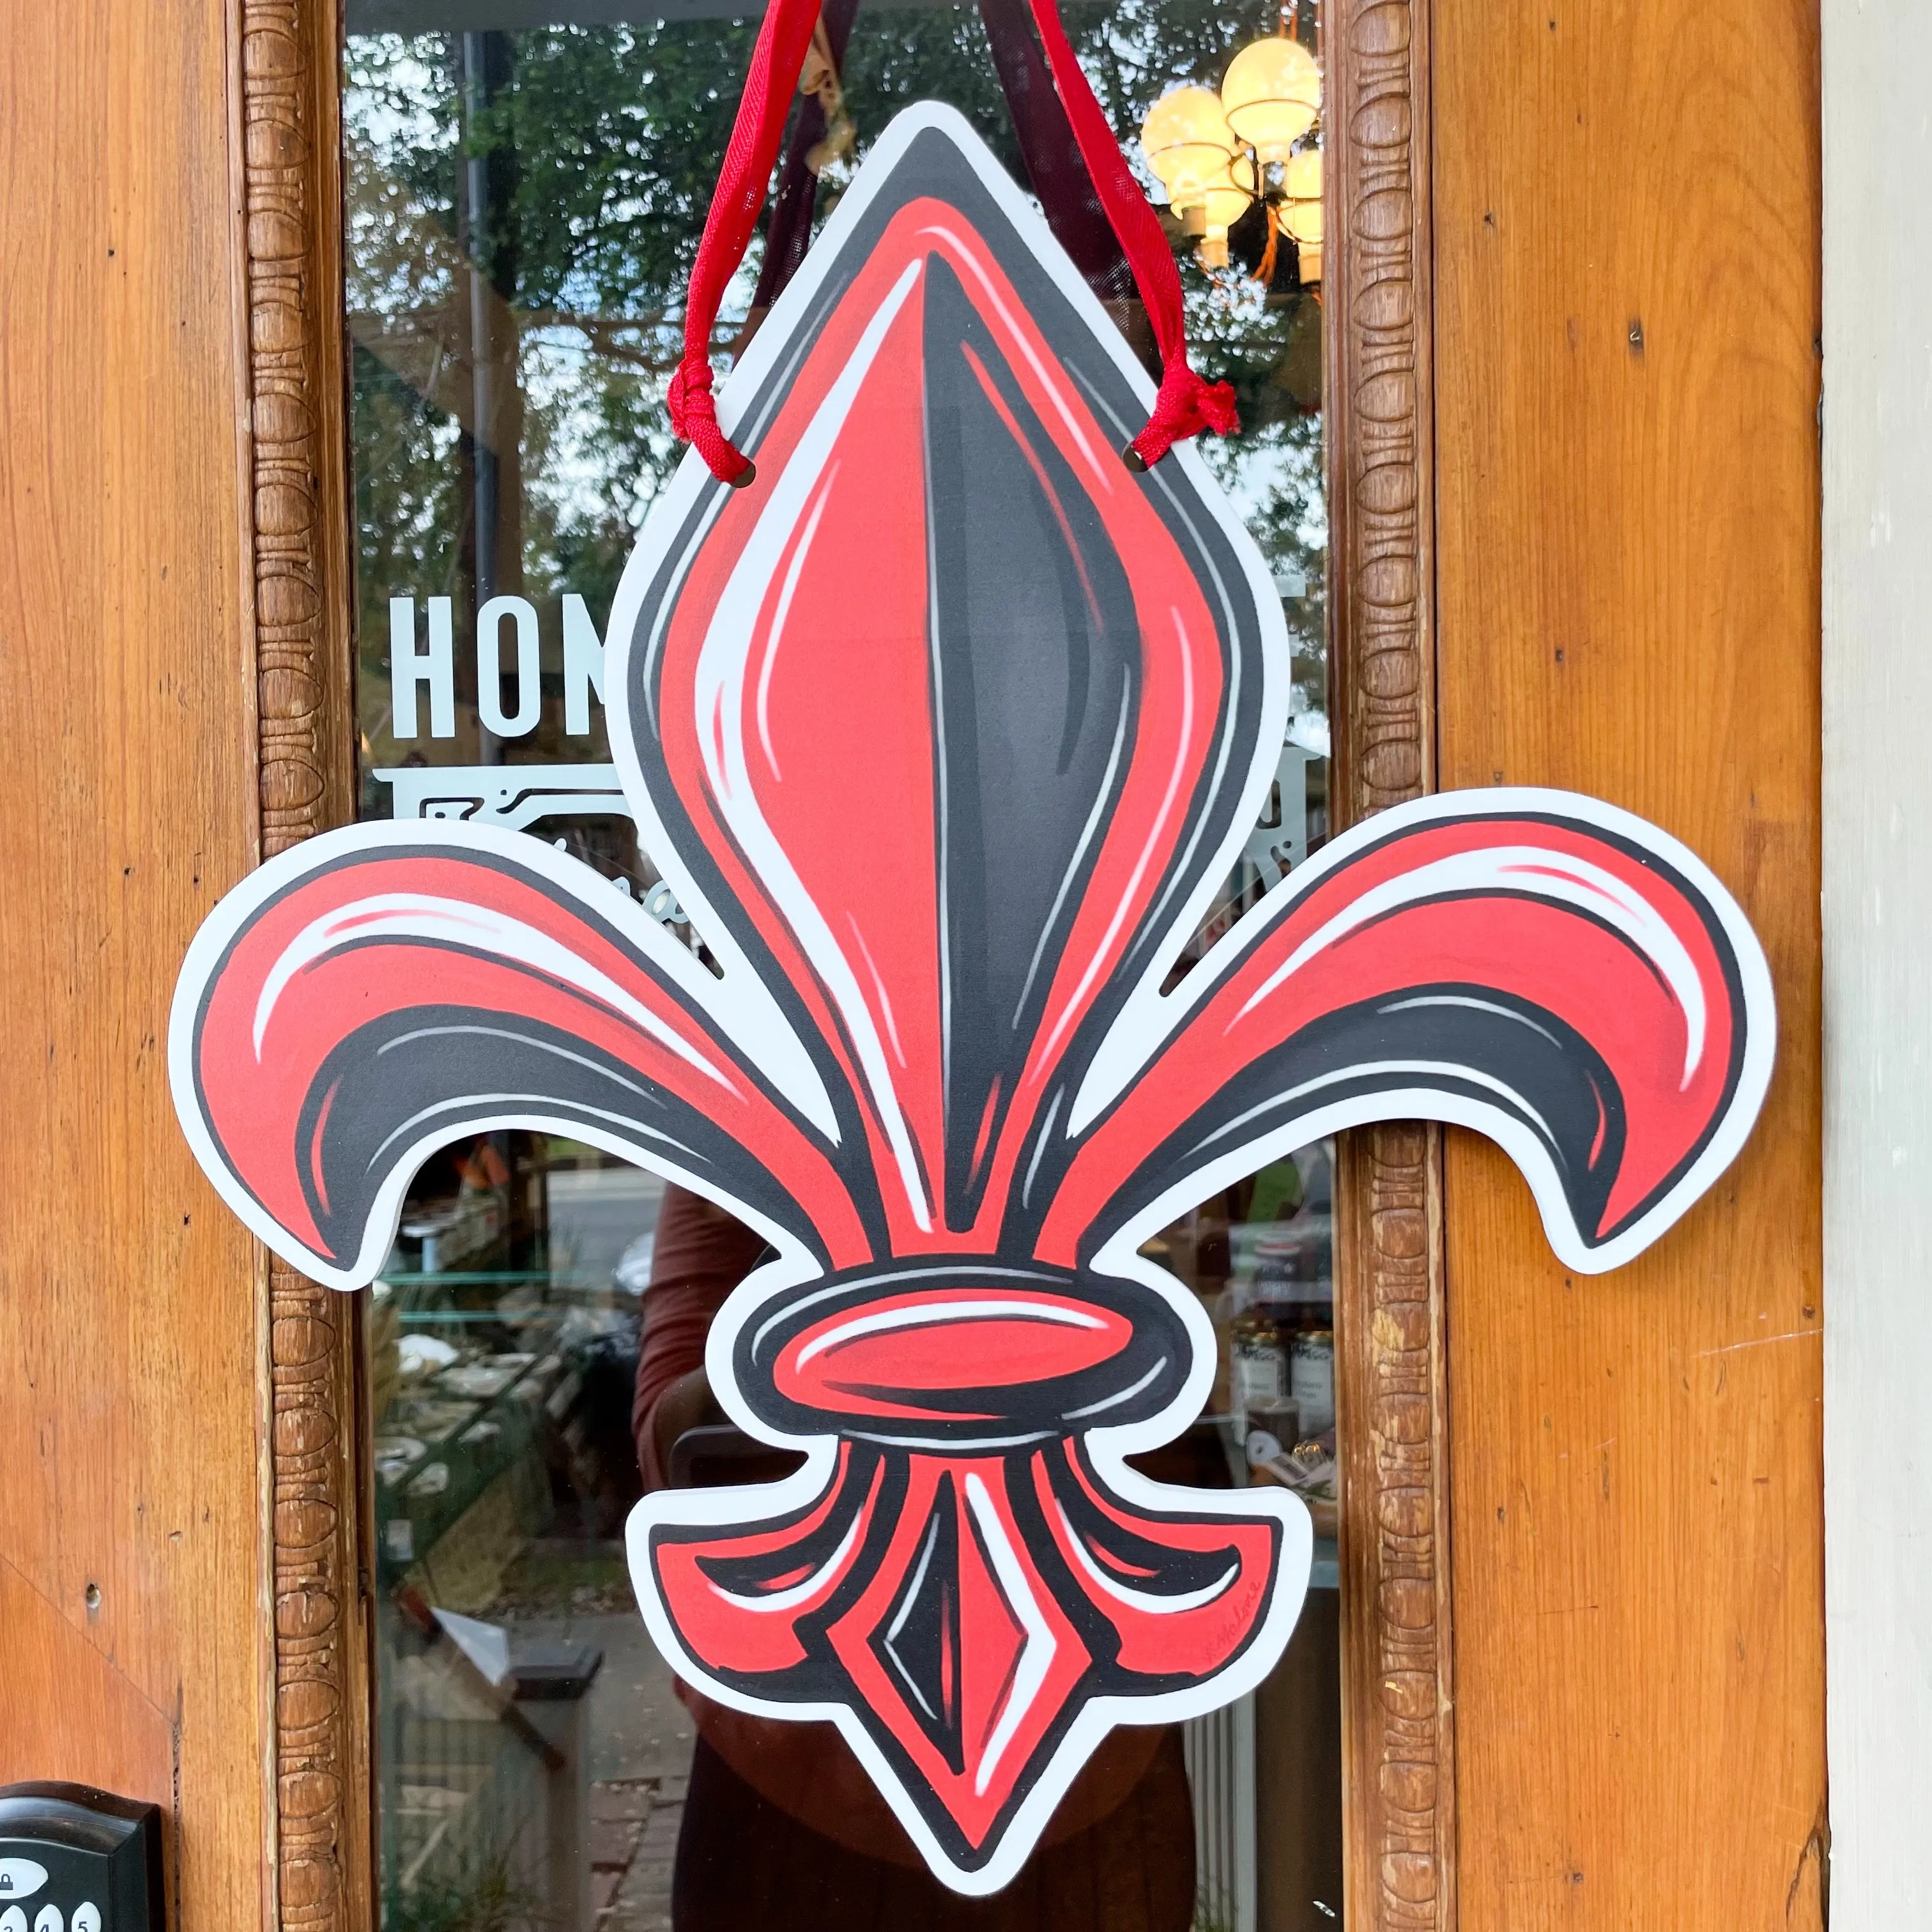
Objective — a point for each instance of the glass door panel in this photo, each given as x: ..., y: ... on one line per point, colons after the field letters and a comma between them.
x: 526, y: 184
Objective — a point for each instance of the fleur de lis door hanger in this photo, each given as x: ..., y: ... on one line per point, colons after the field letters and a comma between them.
x: 944, y: 731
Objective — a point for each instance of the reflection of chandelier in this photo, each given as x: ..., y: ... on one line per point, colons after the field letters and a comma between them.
x: 1259, y: 138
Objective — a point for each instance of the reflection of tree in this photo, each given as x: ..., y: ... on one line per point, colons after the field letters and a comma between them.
x: 615, y: 132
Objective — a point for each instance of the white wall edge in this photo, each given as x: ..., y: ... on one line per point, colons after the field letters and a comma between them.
x: 1877, y: 692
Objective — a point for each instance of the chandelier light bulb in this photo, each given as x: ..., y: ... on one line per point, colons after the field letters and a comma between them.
x: 1189, y: 145
x: 1272, y: 94
x: 1301, y: 205
x: 1222, y: 203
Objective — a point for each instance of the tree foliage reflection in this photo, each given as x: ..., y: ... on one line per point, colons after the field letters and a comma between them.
x: 548, y: 223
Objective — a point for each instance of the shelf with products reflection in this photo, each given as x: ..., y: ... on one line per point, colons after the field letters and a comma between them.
x: 525, y: 1727
x: 1259, y: 1257
x: 502, y: 1346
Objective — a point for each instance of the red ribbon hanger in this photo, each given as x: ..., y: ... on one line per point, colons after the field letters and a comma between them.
x: 1187, y: 403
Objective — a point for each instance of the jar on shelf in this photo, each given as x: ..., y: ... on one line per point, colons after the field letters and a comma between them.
x: 1311, y: 1379
x: 1258, y: 1365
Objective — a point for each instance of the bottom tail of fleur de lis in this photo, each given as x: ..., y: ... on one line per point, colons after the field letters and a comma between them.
x: 963, y: 1612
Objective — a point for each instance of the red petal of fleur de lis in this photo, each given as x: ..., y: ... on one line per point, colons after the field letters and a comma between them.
x: 945, y: 732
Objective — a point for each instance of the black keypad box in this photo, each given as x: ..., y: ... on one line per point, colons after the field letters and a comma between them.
x: 74, y: 1859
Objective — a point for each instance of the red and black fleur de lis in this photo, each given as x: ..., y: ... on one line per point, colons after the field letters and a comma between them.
x: 945, y: 731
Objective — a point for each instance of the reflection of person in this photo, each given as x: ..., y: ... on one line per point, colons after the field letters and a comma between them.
x: 700, y: 1254
x: 781, y: 1828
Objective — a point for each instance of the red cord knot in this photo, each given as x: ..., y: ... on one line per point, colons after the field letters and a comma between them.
x: 1186, y: 404
x: 694, y: 416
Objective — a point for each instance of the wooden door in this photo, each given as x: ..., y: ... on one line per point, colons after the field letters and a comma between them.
x: 1573, y: 374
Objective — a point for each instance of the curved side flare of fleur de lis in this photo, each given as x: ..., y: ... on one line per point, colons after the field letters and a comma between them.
x: 945, y: 732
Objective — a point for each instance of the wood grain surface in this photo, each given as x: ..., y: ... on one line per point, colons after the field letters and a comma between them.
x: 133, y: 1529
x: 1627, y: 222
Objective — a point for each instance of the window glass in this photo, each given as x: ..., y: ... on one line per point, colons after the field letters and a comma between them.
x: 527, y: 180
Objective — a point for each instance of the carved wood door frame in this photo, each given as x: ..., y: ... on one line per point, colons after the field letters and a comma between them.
x: 285, y: 86
x: 1391, y: 1395
x: 1392, y: 1390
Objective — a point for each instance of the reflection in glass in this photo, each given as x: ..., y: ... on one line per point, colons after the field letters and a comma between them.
x: 524, y: 200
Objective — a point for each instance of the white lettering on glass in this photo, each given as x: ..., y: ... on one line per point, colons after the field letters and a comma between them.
x: 490, y: 667
x: 408, y: 667
x: 583, y: 666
